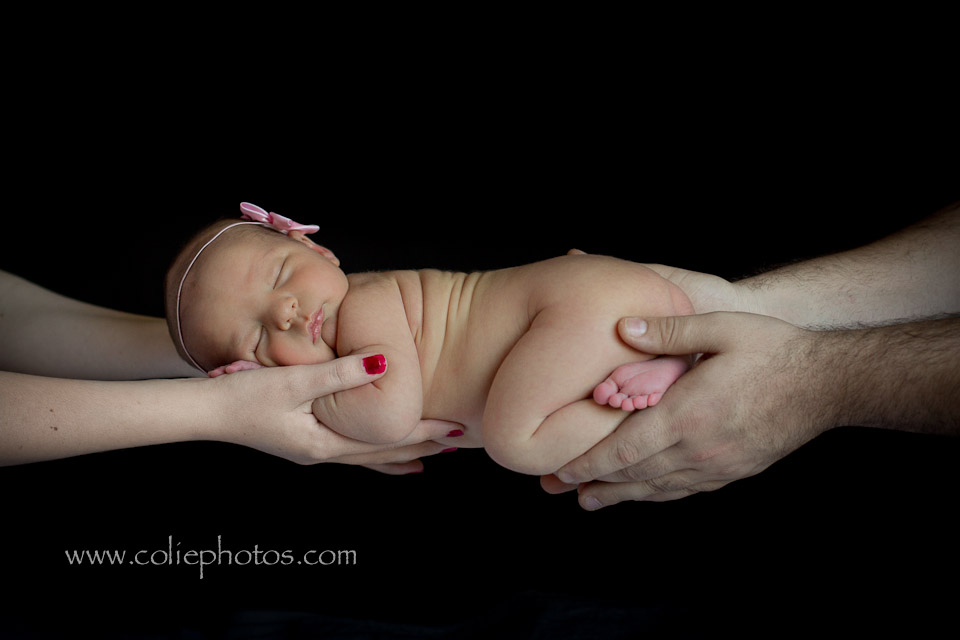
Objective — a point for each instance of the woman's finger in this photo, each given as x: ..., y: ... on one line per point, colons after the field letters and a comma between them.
x: 312, y: 381
x: 420, y: 443
x: 391, y: 456
x: 397, y: 468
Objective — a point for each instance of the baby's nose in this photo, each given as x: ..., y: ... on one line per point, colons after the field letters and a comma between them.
x: 285, y: 311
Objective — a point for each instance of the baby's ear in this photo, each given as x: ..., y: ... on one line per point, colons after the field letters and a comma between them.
x: 326, y: 253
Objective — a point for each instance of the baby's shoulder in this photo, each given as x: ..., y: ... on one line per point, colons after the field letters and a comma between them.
x: 389, y: 295
x: 380, y: 282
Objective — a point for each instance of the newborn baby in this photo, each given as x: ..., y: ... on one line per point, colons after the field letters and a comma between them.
x: 513, y: 355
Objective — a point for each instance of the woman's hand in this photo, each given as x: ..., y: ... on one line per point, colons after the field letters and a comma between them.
x: 269, y: 409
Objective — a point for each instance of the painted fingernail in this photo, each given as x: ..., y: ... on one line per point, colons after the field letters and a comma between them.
x: 635, y: 327
x: 374, y: 364
x: 449, y: 450
x: 455, y: 433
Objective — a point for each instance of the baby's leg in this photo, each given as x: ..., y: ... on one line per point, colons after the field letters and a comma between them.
x: 639, y: 385
x: 535, y: 424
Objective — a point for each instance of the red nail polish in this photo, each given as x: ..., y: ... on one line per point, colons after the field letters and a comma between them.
x: 455, y: 433
x: 374, y: 364
x: 449, y: 450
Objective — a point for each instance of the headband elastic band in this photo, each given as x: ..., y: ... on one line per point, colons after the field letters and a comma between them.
x: 257, y: 216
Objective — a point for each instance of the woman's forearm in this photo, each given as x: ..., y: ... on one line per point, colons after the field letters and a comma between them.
x: 46, y: 334
x: 912, y: 274
x: 48, y: 418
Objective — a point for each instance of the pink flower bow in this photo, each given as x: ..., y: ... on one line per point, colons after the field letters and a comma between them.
x: 274, y: 220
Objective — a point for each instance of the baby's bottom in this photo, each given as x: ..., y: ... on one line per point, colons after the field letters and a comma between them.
x: 639, y: 385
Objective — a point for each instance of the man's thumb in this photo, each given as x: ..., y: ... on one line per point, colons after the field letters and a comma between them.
x: 676, y: 335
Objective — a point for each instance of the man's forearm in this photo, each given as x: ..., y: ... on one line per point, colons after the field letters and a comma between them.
x: 904, y: 377
x: 911, y: 275
x: 48, y: 418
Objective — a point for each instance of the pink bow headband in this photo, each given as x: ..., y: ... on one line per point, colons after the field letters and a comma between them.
x: 255, y: 215
x: 273, y: 220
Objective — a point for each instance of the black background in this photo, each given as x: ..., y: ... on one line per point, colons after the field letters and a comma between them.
x: 858, y: 520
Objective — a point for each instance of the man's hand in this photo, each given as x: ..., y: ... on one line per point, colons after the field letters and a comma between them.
x: 707, y: 292
x: 749, y: 401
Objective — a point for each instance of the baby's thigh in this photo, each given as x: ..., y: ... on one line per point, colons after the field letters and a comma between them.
x: 540, y: 409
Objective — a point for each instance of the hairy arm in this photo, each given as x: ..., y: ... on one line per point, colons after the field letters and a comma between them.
x: 904, y: 376
x: 47, y: 334
x: 912, y: 274
x: 909, y: 275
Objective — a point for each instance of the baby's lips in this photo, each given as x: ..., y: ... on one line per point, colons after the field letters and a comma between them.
x: 375, y: 365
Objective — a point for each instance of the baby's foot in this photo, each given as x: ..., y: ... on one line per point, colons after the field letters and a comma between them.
x: 639, y: 385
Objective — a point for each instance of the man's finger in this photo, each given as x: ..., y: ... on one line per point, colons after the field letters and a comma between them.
x: 553, y: 485
x: 637, y: 439
x: 673, y: 486
x: 681, y: 335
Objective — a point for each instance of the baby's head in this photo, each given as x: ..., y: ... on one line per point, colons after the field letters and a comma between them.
x: 256, y: 291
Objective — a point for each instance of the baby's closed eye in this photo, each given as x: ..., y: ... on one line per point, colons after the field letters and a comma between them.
x: 276, y: 281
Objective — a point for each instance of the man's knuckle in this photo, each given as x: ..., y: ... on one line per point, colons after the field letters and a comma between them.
x: 670, y: 331
x: 668, y: 484
x: 636, y: 473
x: 627, y: 453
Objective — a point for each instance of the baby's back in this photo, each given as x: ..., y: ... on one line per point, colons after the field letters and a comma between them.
x: 466, y: 324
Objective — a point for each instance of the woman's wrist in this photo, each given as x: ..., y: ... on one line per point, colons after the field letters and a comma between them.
x: 44, y: 418
x: 210, y: 409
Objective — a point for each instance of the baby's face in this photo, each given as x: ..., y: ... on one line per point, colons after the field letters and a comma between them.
x: 268, y: 300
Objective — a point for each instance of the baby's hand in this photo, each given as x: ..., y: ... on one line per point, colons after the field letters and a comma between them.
x: 239, y: 365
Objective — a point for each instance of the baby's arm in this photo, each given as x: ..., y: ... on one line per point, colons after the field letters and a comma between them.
x: 372, y: 320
